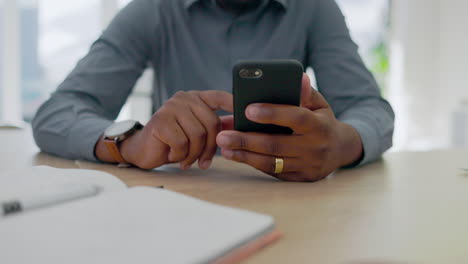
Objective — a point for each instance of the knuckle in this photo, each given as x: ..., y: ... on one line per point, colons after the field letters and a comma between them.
x: 241, y: 141
x: 180, y: 94
x: 160, y: 114
x: 169, y: 104
x: 156, y: 133
x: 159, y: 133
x: 181, y: 143
x: 214, y: 124
x: 199, y: 134
x: 193, y: 93
x: 273, y: 147
x: 237, y: 141
x: 239, y: 156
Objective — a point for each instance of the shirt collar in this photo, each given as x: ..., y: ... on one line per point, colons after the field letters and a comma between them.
x: 189, y: 3
x: 284, y: 3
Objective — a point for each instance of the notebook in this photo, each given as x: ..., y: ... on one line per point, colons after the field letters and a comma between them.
x: 125, y: 225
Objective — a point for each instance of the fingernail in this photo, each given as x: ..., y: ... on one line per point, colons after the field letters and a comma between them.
x: 223, y: 140
x: 185, y: 166
x: 205, y: 164
x: 227, y: 153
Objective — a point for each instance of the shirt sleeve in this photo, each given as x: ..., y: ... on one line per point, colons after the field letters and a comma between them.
x: 71, y: 122
x: 345, y: 82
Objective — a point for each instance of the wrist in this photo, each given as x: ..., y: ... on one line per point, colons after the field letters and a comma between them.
x: 109, y: 147
x: 129, y: 147
x: 350, y: 148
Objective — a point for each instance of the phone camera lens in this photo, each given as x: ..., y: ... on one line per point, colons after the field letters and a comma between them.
x: 250, y: 73
x: 244, y: 73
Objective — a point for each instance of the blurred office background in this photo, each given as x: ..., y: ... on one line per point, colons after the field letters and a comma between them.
x: 415, y: 48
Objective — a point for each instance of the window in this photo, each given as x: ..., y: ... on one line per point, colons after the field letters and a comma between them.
x: 55, y: 34
x: 368, y: 21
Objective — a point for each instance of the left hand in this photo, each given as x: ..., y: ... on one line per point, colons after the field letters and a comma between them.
x: 319, y: 145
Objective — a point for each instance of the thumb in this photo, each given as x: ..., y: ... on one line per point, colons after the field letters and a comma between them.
x: 311, y: 98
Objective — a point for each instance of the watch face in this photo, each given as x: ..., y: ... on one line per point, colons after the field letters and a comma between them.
x: 120, y: 128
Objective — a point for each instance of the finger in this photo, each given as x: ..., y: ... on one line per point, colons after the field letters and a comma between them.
x: 196, y: 134
x: 262, y: 162
x: 298, y: 177
x: 311, y: 98
x: 274, y: 145
x: 154, y: 155
x: 212, y: 124
x: 297, y: 118
x: 227, y: 122
x: 170, y: 133
x: 218, y: 100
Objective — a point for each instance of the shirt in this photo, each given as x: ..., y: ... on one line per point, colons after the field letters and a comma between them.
x: 193, y: 45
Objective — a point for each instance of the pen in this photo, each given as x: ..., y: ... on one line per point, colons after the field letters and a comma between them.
x: 48, y: 197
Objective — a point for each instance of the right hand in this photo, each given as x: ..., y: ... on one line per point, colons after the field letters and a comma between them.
x: 183, y: 130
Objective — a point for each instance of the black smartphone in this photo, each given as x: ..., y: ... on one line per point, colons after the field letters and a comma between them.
x: 270, y: 81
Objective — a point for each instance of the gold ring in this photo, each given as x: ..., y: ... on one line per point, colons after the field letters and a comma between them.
x: 279, y: 164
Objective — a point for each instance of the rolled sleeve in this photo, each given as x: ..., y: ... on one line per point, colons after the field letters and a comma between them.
x: 83, y: 138
x: 373, y: 120
x: 370, y: 141
x: 347, y: 84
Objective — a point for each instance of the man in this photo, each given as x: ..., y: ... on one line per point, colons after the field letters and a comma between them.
x: 192, y: 46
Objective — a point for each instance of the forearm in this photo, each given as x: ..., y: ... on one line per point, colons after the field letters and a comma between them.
x: 66, y: 126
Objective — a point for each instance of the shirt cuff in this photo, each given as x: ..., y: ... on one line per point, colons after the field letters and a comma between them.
x: 83, y: 138
x: 369, y: 138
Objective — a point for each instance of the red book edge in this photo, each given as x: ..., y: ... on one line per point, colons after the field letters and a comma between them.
x: 241, y: 253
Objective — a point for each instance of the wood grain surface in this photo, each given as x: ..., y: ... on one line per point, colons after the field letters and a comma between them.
x: 410, y: 207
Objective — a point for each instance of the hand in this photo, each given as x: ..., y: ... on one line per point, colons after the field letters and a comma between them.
x: 183, y: 130
x: 319, y: 145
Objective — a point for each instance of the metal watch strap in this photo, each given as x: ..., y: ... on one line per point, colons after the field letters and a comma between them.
x: 113, y: 148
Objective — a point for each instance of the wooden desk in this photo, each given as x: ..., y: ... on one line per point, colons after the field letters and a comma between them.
x: 408, y: 208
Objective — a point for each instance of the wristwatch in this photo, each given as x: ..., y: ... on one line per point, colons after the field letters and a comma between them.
x: 118, y: 132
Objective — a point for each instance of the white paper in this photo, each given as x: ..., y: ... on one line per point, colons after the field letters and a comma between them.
x: 137, y: 225
x: 14, y: 184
